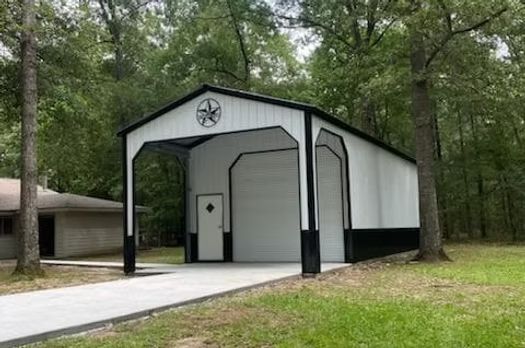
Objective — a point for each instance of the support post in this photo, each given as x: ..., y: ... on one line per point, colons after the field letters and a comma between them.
x: 129, y: 241
x: 310, y: 247
x: 188, y: 246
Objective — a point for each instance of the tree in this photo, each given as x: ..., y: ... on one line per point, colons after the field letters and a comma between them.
x: 422, y: 54
x: 28, y: 247
x: 350, y: 34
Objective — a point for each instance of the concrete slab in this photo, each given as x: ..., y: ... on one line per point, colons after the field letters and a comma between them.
x: 103, y: 264
x: 38, y: 315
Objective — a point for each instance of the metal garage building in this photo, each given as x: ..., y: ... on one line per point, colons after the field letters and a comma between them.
x: 272, y: 180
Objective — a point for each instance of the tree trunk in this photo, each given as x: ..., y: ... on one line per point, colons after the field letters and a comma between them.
x: 28, y: 247
x: 441, y: 199
x: 430, y: 246
x: 467, y: 218
x: 369, y: 117
x: 479, y: 181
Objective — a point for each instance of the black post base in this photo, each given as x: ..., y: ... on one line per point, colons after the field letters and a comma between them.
x: 310, y: 256
x: 129, y: 255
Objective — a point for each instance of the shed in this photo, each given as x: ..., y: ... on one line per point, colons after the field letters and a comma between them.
x: 69, y: 224
x: 273, y: 180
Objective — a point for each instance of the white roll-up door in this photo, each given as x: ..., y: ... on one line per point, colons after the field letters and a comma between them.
x: 265, y: 207
x: 331, y: 235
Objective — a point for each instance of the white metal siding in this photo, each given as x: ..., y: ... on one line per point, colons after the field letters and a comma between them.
x: 265, y: 193
x: 331, y: 234
x: 237, y: 114
x: 383, y: 186
x: 82, y: 233
x: 210, y: 163
x: 336, y: 145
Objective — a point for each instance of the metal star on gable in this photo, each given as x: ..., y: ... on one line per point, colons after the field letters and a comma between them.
x: 208, y: 112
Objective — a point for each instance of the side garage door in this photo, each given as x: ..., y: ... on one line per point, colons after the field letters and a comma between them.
x: 265, y: 207
x: 329, y: 185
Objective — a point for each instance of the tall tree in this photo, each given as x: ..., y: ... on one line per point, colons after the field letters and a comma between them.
x: 28, y: 248
x: 423, y: 51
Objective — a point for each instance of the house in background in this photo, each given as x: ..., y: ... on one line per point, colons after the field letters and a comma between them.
x: 69, y: 224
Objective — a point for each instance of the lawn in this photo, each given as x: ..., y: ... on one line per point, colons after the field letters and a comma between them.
x: 476, y: 301
x: 55, y: 277
x: 173, y: 255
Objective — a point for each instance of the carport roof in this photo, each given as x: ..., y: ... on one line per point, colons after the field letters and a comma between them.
x: 265, y: 99
x: 49, y: 200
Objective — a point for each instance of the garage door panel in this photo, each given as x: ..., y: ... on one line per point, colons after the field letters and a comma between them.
x: 331, y: 235
x: 265, y: 202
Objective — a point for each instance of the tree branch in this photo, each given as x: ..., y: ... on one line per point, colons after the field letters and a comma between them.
x: 451, y: 33
x: 382, y: 34
x: 244, y: 53
x: 222, y: 70
x: 310, y: 23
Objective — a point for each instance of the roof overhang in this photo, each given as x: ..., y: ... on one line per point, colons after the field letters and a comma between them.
x: 140, y: 210
x: 265, y: 99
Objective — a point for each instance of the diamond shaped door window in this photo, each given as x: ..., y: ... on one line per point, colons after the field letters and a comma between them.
x: 210, y: 207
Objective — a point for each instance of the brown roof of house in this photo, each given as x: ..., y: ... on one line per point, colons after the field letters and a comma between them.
x: 50, y: 200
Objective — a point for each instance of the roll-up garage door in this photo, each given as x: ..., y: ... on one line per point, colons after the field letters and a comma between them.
x: 331, y: 237
x: 265, y: 207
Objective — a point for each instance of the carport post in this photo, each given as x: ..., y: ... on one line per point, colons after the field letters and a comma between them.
x: 310, y: 247
x: 129, y: 241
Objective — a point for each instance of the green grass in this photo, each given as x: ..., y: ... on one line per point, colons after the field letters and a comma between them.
x: 156, y: 255
x: 482, y: 264
x: 476, y: 301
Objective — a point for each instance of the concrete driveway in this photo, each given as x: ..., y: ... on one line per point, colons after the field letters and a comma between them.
x: 38, y: 315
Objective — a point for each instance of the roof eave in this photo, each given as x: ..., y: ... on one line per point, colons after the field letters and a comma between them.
x: 164, y: 109
x: 266, y: 99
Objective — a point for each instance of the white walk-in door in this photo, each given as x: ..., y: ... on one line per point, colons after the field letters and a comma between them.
x: 265, y: 207
x: 209, y: 225
x: 329, y: 185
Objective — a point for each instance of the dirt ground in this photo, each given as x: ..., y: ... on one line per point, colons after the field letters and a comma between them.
x: 54, y: 277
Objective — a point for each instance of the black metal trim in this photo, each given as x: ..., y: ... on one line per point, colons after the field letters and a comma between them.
x: 189, y: 256
x: 227, y: 246
x: 349, y: 246
x: 197, y: 224
x: 237, y: 159
x: 310, y: 251
x: 194, y: 246
x: 129, y: 242
x: 266, y: 99
x: 377, y: 242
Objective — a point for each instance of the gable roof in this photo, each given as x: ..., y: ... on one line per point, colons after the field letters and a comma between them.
x: 49, y: 200
x: 265, y: 99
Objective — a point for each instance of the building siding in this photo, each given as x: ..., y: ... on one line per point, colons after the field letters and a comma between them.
x: 236, y: 115
x: 8, y: 243
x: 210, y: 163
x: 7, y: 247
x: 81, y: 233
x: 383, y: 186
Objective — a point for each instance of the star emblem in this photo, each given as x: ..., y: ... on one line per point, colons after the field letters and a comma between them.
x: 208, y: 112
